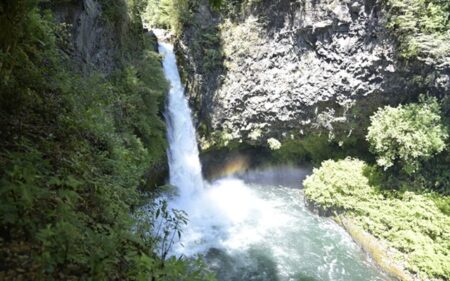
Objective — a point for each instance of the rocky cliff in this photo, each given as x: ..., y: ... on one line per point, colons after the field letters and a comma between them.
x: 286, y: 68
x: 96, y: 34
x: 103, y: 37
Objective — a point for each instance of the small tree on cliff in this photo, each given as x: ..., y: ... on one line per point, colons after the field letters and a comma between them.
x: 407, y: 134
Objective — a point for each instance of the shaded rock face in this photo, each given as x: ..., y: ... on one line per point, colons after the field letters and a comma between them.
x: 94, y: 43
x: 291, y: 67
x: 202, y: 82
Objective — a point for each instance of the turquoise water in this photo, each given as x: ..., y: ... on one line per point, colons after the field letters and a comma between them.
x: 256, y: 227
x: 253, y: 226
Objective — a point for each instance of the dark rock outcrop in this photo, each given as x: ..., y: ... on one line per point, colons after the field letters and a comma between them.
x: 93, y: 42
x: 290, y: 67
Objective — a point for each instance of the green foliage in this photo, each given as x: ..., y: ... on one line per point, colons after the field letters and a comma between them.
x: 407, y: 134
x: 167, y: 226
x: 74, y: 150
x: 338, y: 185
x: 123, y: 17
x: 209, y: 45
x: 211, y: 49
x: 409, y: 222
x: 314, y: 148
x: 116, y: 11
x: 216, y: 4
x: 443, y: 203
x: 169, y: 14
x: 422, y: 27
x: 233, y: 8
x: 413, y: 224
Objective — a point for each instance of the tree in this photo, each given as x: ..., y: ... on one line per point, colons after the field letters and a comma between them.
x: 407, y: 134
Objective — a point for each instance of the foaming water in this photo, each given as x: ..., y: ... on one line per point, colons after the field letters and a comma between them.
x: 184, y: 163
x: 252, y: 231
x: 254, y: 227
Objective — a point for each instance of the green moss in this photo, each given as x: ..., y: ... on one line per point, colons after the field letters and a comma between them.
x: 312, y: 148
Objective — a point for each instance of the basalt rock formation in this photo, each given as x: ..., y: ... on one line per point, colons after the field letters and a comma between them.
x: 286, y: 68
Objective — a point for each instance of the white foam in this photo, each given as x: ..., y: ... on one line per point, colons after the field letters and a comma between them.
x: 239, y: 218
x: 184, y: 163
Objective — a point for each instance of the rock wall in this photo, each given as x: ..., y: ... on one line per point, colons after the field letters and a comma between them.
x: 92, y: 41
x: 290, y: 67
x: 97, y: 44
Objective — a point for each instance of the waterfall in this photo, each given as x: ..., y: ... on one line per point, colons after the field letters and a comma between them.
x: 184, y: 163
x: 251, y: 228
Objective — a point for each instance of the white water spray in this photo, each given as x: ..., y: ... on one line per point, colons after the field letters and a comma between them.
x: 184, y: 163
x: 254, y: 229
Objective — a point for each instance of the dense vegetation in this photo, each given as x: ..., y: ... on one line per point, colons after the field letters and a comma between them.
x: 169, y: 14
x: 407, y: 134
x: 397, y: 201
x: 75, y: 147
x: 423, y: 28
x: 410, y: 222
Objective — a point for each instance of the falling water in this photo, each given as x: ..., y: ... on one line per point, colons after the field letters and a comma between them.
x: 184, y: 163
x: 255, y: 227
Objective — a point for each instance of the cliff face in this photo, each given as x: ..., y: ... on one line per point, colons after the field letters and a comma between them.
x: 100, y: 40
x: 92, y: 40
x: 290, y: 67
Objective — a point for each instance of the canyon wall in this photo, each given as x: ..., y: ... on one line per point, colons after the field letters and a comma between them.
x: 286, y: 68
x: 98, y: 34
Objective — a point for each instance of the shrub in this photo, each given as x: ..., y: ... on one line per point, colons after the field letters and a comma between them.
x: 415, y: 226
x: 411, y: 223
x: 407, y: 134
x: 338, y: 185
x: 422, y: 27
x: 274, y: 144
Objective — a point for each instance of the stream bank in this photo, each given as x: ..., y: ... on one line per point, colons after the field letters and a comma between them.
x: 377, y: 249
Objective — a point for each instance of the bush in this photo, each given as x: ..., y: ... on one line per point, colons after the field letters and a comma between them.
x: 274, y: 144
x: 338, y: 185
x: 411, y: 223
x: 407, y: 134
x: 74, y: 152
x: 415, y: 226
x: 422, y: 27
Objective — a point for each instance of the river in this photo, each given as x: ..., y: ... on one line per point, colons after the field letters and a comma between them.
x: 254, y: 226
